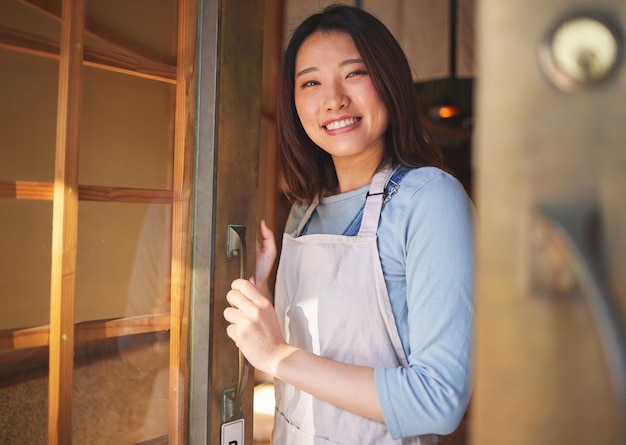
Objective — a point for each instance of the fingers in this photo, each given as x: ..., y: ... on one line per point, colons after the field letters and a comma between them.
x: 267, y: 243
x: 231, y: 331
x: 235, y: 313
x: 265, y: 258
x: 246, y: 288
x: 243, y: 312
x: 245, y: 297
x: 253, y: 324
x: 266, y: 232
x: 239, y: 301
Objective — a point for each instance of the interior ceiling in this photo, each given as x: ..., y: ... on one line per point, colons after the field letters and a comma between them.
x: 435, y: 48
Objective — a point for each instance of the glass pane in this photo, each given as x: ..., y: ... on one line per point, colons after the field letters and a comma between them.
x: 123, y: 269
x: 121, y: 390
x: 126, y: 131
x: 28, y: 96
x: 127, y: 122
x: 28, y: 101
x: 123, y: 260
x: 146, y: 27
x: 25, y: 263
x: 121, y: 375
x: 24, y: 302
x: 17, y: 15
x: 28, y: 93
x: 24, y: 396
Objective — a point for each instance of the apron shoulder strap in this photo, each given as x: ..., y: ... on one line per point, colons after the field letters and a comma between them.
x: 306, y: 217
x: 374, y: 202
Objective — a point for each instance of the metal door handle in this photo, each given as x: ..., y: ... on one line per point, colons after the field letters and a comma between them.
x: 577, y: 229
x: 236, y: 248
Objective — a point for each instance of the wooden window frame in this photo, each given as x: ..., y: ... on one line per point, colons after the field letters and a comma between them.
x: 62, y: 336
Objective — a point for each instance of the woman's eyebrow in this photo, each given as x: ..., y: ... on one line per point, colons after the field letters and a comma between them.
x: 313, y: 69
x: 306, y: 71
x: 351, y: 61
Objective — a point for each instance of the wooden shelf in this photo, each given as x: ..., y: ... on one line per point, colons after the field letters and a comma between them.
x: 88, y: 331
x: 44, y: 191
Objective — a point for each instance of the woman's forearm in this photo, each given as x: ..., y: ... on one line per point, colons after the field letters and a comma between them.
x: 254, y: 328
x: 349, y: 387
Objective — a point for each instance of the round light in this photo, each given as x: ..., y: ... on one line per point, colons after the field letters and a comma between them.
x: 581, y: 50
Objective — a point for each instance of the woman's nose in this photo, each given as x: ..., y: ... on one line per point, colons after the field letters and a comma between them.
x: 336, y: 97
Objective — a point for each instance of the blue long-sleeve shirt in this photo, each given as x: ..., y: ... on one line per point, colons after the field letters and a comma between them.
x: 425, y: 243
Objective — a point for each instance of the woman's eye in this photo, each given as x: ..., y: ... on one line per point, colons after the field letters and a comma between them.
x: 310, y: 83
x: 357, y: 73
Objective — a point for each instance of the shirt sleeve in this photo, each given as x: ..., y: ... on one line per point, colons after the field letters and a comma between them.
x: 434, y: 226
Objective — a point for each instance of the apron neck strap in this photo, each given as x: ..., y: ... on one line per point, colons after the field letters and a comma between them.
x: 374, y: 202
x: 306, y: 217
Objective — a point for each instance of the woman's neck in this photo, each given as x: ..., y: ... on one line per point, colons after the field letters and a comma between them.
x: 354, y: 175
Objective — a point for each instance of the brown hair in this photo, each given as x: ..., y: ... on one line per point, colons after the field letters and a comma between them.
x: 308, y: 170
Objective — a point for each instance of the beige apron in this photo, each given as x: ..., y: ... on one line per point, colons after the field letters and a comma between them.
x: 331, y: 299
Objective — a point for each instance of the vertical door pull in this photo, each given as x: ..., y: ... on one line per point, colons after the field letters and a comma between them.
x: 577, y: 228
x: 236, y: 249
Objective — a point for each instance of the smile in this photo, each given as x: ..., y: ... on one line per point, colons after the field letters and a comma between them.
x: 336, y: 125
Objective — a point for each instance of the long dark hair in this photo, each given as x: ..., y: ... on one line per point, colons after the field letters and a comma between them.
x: 308, y: 170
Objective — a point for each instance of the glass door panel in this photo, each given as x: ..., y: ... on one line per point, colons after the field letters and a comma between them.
x: 111, y: 364
x: 126, y: 131
x: 24, y: 307
x: 124, y: 246
x: 142, y: 27
x: 123, y: 287
x: 24, y: 396
x: 118, y: 292
x: 28, y: 94
x: 25, y: 17
x: 121, y: 389
x: 25, y: 263
x: 123, y: 260
x: 28, y: 101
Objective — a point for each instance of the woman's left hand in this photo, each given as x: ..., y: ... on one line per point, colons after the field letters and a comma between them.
x: 254, y: 326
x: 265, y: 258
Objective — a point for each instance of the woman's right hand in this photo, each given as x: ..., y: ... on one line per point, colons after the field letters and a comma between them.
x: 265, y: 257
x: 253, y: 326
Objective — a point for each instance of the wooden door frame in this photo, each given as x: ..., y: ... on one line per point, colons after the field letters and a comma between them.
x: 228, y: 128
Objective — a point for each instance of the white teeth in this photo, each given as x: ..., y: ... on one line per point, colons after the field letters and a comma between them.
x: 341, y: 124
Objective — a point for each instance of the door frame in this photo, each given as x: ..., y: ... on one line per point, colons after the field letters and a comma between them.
x: 228, y: 133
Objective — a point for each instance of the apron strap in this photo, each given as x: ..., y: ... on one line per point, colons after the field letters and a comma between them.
x: 370, y: 214
x: 374, y: 202
x: 306, y: 217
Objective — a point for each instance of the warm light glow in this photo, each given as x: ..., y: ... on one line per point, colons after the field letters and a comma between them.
x: 443, y: 112
x: 264, y: 402
x: 446, y: 112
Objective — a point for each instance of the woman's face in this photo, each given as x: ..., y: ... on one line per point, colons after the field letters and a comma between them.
x: 336, y: 101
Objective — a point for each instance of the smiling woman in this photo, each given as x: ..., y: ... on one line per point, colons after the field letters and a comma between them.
x: 369, y: 338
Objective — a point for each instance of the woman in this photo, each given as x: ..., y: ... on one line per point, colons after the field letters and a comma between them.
x: 370, y: 337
